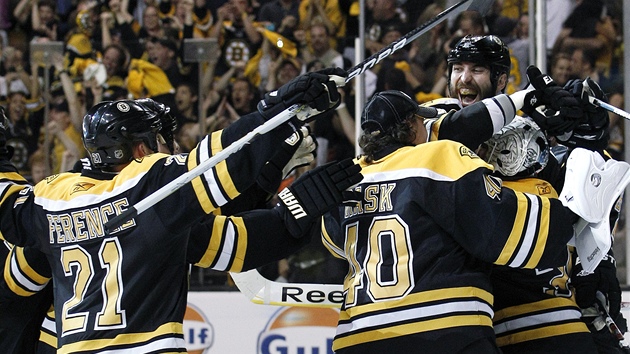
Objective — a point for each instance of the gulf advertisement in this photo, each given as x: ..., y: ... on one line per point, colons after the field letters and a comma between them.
x: 228, y: 323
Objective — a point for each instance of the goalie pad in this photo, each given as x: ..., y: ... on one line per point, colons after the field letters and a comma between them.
x: 592, y: 185
x: 592, y: 242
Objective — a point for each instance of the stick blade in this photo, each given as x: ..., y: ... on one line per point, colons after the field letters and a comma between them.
x: 481, y: 6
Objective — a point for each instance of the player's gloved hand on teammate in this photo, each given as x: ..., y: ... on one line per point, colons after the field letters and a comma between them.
x: 296, y: 151
x: 592, y: 131
x: 553, y: 108
x: 603, y: 279
x: 316, y: 192
x: 317, y: 89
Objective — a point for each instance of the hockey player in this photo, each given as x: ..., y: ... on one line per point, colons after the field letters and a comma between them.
x: 478, y: 69
x: 421, y: 243
x: 535, y: 310
x: 21, y: 329
x: 142, y: 265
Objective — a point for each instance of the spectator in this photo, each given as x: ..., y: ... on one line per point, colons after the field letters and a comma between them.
x: 37, y: 166
x: 186, y: 99
x: 384, y: 14
x: 235, y: 30
x: 325, y: 12
x: 13, y: 74
x: 590, y: 29
x: 243, y: 96
x: 583, y: 64
x: 163, y: 52
x: 66, y: 138
x: 115, y: 60
x: 44, y: 21
x: 152, y: 25
x: 282, y: 14
x: 117, y: 28
x: 321, y: 49
x: 24, y: 129
x: 282, y: 71
x: 426, y: 55
x: 561, y: 68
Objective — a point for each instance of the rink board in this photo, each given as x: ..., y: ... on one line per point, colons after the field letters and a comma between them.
x: 226, y: 322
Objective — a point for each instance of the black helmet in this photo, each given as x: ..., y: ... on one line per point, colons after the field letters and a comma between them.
x: 111, y: 128
x: 169, y: 122
x: 485, y: 50
x: 387, y: 108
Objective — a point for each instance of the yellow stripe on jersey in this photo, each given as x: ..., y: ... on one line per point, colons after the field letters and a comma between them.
x: 126, y: 339
x: 222, y: 170
x: 26, y: 268
x: 532, y: 307
x: 408, y: 158
x: 218, y: 225
x: 241, y: 244
x: 418, y: 298
x: 198, y: 186
x: 10, y: 281
x: 329, y: 244
x: 517, y: 230
x: 48, y: 339
x: 544, y: 332
x: 543, y: 233
x: 410, y: 328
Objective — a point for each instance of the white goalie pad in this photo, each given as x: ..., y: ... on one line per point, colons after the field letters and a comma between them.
x: 591, y: 189
x: 592, y: 242
x: 592, y: 185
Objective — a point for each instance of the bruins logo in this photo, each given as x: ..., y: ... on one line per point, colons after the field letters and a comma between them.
x: 81, y: 187
x: 464, y: 151
x: 493, y: 186
x: 543, y: 189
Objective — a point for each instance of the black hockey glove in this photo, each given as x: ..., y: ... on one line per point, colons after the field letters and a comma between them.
x: 316, y: 89
x: 316, y: 192
x: 603, y: 279
x: 297, y: 150
x: 553, y: 108
x: 592, y: 131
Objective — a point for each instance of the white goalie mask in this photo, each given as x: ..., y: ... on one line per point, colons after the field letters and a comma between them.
x: 520, y: 148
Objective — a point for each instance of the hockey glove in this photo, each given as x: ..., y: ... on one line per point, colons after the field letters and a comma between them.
x: 603, y: 279
x: 316, y: 192
x: 561, y: 112
x: 297, y: 150
x: 318, y: 90
x: 592, y: 131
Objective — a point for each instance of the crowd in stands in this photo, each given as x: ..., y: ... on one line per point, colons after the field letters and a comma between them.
x: 135, y: 48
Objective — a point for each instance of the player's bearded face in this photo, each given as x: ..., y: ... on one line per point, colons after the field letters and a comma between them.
x: 470, y: 83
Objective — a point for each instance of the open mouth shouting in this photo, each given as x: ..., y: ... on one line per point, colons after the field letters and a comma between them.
x: 467, y: 95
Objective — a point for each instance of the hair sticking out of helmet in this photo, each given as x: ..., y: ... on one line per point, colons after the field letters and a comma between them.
x: 387, y: 108
x: 520, y: 149
x: 110, y: 130
x: 483, y: 50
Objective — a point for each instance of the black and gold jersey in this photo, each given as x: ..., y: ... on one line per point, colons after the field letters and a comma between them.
x: 473, y: 125
x: 537, y: 306
x: 126, y: 289
x: 22, y: 316
x: 421, y: 244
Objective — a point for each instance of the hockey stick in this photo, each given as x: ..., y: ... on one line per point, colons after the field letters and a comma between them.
x: 612, y: 326
x: 481, y: 6
x: 599, y: 103
x: 263, y: 291
x: 610, y: 108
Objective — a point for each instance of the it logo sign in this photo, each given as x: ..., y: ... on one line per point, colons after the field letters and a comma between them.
x: 198, y: 332
x: 299, y: 330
